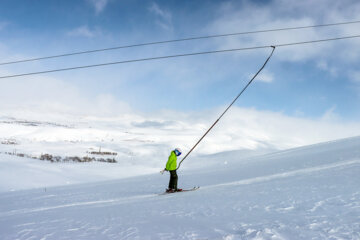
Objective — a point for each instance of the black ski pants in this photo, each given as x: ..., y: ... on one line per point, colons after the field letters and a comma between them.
x: 173, y: 180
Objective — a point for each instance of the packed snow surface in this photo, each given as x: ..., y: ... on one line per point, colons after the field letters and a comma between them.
x: 310, y: 192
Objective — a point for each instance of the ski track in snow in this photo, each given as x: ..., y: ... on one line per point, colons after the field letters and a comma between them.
x: 77, y: 204
x: 285, y: 174
x: 149, y: 196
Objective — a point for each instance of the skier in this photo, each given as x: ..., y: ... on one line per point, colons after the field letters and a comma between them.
x: 171, y: 167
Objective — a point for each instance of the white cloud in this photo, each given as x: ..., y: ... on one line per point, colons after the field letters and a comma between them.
x: 99, y: 5
x: 330, y: 114
x: 251, y: 128
x: 157, y: 132
x: 164, y: 17
x: 281, y: 14
x: 82, y: 31
x: 160, y: 12
x: 323, y: 65
x: 48, y: 95
x: 265, y: 76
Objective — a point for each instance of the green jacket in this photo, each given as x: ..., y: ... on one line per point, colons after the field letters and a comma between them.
x: 171, y: 163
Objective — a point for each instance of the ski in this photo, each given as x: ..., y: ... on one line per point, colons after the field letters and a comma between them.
x: 191, y: 189
x: 184, y: 190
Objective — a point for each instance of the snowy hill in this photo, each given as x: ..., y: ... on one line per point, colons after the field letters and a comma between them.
x: 310, y: 192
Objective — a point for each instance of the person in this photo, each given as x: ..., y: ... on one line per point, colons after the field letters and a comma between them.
x: 171, y: 166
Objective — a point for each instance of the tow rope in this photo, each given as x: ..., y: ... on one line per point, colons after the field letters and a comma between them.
x: 273, y: 49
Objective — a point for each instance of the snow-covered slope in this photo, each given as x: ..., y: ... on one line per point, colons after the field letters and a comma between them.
x: 304, y: 193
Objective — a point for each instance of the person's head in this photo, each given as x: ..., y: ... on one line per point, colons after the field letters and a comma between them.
x: 177, y: 151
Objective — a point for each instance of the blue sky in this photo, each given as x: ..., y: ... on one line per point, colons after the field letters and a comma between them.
x: 314, y: 81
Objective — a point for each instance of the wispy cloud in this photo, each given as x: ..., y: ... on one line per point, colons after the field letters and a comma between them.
x: 82, y: 31
x: 265, y: 76
x: 323, y: 65
x: 99, y: 5
x: 330, y: 114
x: 55, y: 97
x: 164, y: 17
x: 249, y: 17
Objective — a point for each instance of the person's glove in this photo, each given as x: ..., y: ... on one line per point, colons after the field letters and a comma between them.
x: 162, y: 171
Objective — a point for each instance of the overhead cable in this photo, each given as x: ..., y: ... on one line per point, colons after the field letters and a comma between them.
x: 178, y: 40
x: 181, y: 55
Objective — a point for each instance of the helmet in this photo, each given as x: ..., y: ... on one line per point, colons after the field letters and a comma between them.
x: 177, y: 151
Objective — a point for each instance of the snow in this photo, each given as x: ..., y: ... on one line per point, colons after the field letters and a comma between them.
x: 22, y: 173
x: 310, y: 192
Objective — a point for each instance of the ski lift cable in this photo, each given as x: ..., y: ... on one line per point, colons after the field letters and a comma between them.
x: 179, y: 55
x: 236, y: 98
x: 179, y: 40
